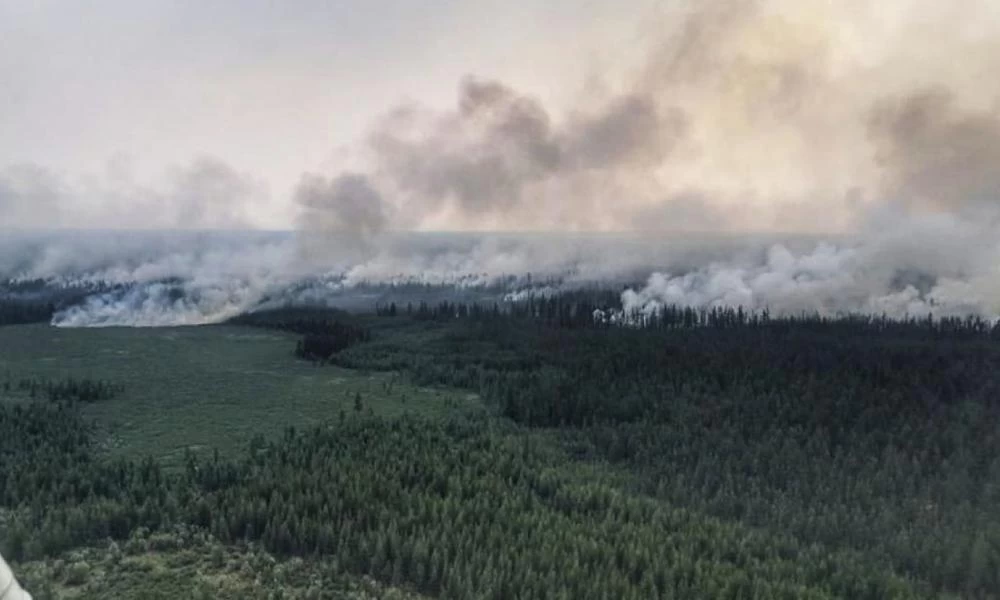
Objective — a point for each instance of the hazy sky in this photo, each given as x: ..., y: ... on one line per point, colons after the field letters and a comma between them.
x: 272, y: 88
x: 369, y: 115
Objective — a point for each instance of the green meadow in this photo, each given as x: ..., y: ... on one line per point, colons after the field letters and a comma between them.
x: 212, y: 387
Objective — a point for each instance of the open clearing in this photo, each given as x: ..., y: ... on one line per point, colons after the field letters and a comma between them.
x: 203, y: 388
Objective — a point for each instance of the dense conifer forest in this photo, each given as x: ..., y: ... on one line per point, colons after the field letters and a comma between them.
x: 37, y: 300
x: 678, y: 454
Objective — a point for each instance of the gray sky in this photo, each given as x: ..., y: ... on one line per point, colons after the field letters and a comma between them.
x: 271, y: 88
x: 363, y: 115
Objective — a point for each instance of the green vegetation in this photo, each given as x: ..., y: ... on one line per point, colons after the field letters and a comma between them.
x: 203, y: 388
x: 702, y: 455
x: 458, y: 508
x: 13, y: 312
x: 858, y: 434
x: 70, y: 390
x: 187, y: 563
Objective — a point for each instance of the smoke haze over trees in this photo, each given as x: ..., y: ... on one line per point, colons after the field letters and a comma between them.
x: 766, y: 117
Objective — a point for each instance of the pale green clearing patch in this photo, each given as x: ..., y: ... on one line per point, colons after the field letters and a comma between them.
x: 169, y: 567
x: 204, y: 388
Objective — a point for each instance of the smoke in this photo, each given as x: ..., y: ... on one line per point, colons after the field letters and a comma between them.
x: 208, y: 278
x: 744, y: 115
x: 900, y: 265
x: 923, y: 197
x: 30, y: 197
x: 204, y: 194
x: 936, y: 156
x: 838, y: 120
x: 341, y: 217
x: 498, y: 160
x: 164, y: 278
x: 160, y: 277
x: 768, y: 115
x: 164, y: 304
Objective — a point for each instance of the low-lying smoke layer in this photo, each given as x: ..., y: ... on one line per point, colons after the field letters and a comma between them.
x: 192, y: 278
x: 184, y: 279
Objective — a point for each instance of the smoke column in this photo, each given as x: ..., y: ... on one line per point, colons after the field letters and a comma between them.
x: 836, y: 120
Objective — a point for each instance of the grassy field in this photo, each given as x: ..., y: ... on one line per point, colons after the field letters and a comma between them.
x: 202, y: 388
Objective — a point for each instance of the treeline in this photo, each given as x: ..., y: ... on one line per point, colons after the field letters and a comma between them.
x: 25, y: 301
x: 66, y: 390
x: 678, y: 317
x: 18, y: 312
x: 568, y: 309
x: 441, y: 311
x: 296, y: 320
x: 321, y: 347
x: 456, y: 509
x: 325, y: 332
x: 602, y: 309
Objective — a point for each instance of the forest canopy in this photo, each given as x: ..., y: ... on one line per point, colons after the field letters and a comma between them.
x: 692, y: 453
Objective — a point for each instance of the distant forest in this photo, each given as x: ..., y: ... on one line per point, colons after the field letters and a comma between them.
x: 37, y: 300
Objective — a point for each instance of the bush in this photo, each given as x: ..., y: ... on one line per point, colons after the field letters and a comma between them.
x: 78, y: 573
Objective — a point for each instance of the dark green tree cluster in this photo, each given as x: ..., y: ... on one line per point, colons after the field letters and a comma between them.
x: 602, y: 308
x: 859, y: 433
x: 17, y: 312
x: 908, y: 327
x: 325, y: 332
x: 299, y: 320
x: 570, y: 309
x: 442, y: 311
x: 458, y: 509
x: 321, y: 347
x: 68, y: 390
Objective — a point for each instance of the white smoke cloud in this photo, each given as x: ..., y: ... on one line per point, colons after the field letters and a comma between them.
x: 202, y: 277
x: 838, y: 119
x: 213, y: 277
x: 159, y: 304
x: 935, y: 264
